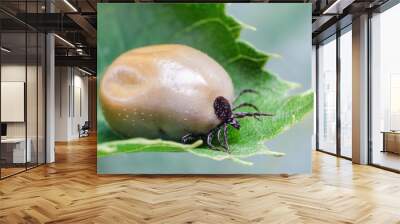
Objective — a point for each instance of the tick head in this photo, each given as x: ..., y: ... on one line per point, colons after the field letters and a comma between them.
x: 222, y: 108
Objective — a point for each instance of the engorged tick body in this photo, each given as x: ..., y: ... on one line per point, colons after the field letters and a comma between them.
x: 170, y: 92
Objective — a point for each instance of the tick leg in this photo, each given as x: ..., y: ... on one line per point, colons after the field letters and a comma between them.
x: 219, y: 139
x: 245, y: 105
x: 209, y: 140
x: 219, y: 135
x: 226, y: 138
x: 248, y: 114
x: 246, y: 91
x: 188, y: 138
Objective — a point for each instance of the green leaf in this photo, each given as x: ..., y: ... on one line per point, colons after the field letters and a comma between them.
x: 143, y: 145
x: 208, y: 28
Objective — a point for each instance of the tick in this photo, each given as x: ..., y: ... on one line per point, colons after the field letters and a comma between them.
x: 172, y: 92
x: 225, y: 114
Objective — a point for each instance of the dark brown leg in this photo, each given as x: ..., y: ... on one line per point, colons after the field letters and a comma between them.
x: 209, y: 139
x: 248, y: 114
x: 246, y: 91
x: 219, y: 139
x: 219, y: 136
x: 188, y: 138
x: 226, y: 138
x: 245, y: 105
